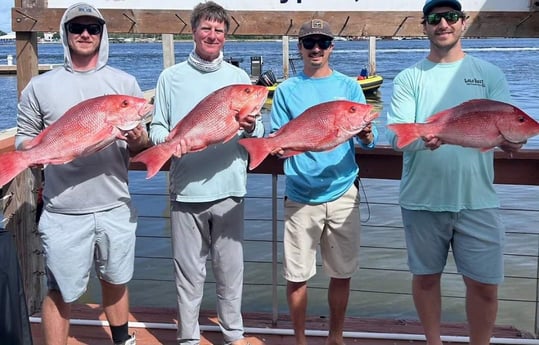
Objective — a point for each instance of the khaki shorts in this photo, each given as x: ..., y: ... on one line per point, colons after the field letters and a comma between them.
x: 335, y: 226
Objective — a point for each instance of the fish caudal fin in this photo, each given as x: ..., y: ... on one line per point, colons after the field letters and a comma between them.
x: 11, y: 165
x: 406, y: 133
x: 154, y: 158
x: 258, y: 150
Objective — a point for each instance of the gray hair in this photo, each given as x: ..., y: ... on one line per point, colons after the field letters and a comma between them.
x: 209, y: 10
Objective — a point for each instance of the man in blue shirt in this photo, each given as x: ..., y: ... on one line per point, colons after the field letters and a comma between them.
x: 321, y: 199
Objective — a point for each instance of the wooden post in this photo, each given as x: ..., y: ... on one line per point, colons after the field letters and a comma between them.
x: 21, y: 207
x: 286, y: 57
x: 168, y: 50
x: 21, y: 213
x: 372, y: 55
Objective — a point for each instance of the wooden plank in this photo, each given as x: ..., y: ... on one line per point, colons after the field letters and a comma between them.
x: 162, y: 316
x: 20, y: 211
x: 7, y: 140
x: 388, y: 23
x: 12, y: 69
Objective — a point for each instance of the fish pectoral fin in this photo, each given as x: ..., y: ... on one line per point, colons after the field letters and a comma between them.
x: 197, y: 148
x: 289, y: 153
x: 96, y: 147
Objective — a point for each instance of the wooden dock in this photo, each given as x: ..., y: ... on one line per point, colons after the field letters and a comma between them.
x: 12, y: 69
x: 156, y: 326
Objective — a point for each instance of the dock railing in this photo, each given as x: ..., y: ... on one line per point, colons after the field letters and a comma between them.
x: 382, y: 285
x: 381, y: 288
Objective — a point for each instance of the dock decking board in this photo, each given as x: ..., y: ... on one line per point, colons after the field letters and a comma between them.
x: 95, y: 335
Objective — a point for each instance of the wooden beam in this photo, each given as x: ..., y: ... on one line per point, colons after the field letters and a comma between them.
x: 387, y: 24
x: 520, y: 168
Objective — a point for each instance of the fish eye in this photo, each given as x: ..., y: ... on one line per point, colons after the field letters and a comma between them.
x: 248, y: 90
x: 125, y: 103
x: 521, y: 119
x: 353, y: 109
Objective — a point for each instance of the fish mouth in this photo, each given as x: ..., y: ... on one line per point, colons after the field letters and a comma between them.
x: 129, y: 126
x: 144, y: 113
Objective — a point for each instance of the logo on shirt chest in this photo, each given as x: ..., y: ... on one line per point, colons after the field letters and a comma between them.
x: 474, y: 82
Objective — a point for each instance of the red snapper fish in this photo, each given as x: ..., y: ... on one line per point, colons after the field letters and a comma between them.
x: 319, y: 128
x: 85, y: 128
x: 479, y: 123
x: 215, y: 119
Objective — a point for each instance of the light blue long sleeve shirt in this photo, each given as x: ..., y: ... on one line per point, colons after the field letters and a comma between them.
x: 317, y: 177
x: 450, y: 178
x: 219, y: 171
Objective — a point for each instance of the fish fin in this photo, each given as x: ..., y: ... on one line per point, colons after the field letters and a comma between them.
x: 290, y: 153
x: 13, y: 163
x: 154, y: 158
x: 27, y: 145
x: 257, y: 148
x: 406, y: 133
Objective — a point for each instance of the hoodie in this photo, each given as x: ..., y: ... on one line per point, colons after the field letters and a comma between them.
x: 87, y: 184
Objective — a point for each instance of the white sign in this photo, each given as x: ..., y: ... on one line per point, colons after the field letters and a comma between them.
x: 299, y: 5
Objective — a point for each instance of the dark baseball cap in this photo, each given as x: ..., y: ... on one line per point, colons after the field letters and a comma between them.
x: 430, y: 4
x: 315, y: 27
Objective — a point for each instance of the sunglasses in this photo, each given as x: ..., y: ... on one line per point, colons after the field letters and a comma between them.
x: 309, y: 43
x: 77, y: 28
x: 450, y: 17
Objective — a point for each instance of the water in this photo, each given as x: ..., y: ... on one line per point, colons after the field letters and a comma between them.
x: 516, y: 57
x: 383, y: 252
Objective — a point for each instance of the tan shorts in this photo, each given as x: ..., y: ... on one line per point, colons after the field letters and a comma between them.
x: 335, y: 226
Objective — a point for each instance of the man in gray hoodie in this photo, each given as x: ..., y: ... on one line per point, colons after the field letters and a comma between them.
x: 87, y: 216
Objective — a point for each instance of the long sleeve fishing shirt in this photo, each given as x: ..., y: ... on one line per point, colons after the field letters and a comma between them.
x: 219, y: 171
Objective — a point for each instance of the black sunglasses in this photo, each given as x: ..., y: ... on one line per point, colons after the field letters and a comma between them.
x: 309, y: 43
x: 450, y: 17
x: 77, y: 28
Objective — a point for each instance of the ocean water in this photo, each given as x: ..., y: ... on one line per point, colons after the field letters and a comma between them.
x: 382, y: 286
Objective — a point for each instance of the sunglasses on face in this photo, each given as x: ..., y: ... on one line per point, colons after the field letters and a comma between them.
x: 77, y: 28
x: 450, y: 17
x: 309, y: 43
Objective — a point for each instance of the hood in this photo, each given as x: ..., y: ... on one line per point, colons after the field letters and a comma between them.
x: 103, y: 47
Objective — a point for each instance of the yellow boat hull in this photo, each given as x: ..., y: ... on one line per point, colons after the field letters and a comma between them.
x: 369, y: 85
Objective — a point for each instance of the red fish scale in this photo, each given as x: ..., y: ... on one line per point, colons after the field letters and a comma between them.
x: 91, y: 123
x: 214, y: 119
x: 315, y: 128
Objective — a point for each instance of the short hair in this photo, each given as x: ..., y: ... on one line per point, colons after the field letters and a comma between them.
x: 209, y: 10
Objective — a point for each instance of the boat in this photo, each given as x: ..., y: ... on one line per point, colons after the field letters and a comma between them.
x: 369, y: 84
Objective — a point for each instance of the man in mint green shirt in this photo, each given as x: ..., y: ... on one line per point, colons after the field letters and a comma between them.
x: 447, y: 195
x: 206, y: 187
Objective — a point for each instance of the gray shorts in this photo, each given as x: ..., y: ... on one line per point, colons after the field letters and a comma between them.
x: 476, y: 237
x: 73, y: 242
x: 335, y: 226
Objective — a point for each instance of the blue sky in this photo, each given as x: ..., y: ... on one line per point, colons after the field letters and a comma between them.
x: 5, y: 15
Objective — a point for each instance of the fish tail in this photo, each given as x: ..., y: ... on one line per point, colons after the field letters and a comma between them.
x: 406, y: 133
x: 154, y: 158
x: 258, y: 150
x: 11, y: 165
